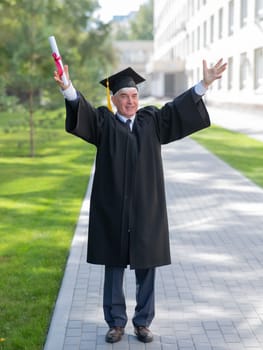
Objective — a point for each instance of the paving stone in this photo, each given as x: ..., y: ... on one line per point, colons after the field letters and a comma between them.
x: 210, y: 298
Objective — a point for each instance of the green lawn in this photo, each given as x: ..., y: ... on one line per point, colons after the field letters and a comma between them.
x: 240, y: 151
x: 39, y: 208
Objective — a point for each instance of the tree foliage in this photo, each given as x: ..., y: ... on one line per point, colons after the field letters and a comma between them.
x: 26, y: 57
x: 26, y: 70
x: 140, y: 26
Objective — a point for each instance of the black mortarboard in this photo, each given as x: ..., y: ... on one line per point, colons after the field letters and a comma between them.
x: 125, y: 78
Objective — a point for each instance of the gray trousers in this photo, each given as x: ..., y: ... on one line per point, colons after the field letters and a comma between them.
x: 114, y: 305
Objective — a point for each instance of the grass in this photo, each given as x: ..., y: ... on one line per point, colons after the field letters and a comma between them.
x: 238, y: 150
x: 39, y: 208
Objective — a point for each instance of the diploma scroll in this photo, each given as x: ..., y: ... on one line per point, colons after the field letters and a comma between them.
x: 58, y: 60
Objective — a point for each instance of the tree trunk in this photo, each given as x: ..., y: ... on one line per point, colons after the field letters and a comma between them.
x: 31, y: 124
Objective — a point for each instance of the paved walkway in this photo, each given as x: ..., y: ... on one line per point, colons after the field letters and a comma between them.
x: 211, y: 297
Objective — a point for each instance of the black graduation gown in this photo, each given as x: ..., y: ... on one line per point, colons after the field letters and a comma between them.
x: 128, y: 218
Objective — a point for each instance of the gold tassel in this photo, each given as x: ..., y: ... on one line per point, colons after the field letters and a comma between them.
x: 108, y: 96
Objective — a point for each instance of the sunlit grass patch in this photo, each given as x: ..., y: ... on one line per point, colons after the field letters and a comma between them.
x: 238, y: 150
x: 39, y: 208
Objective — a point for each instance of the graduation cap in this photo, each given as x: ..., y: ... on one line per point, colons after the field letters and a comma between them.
x: 125, y: 78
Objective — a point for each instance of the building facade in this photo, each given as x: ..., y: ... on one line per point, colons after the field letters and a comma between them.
x: 136, y: 54
x: 186, y: 31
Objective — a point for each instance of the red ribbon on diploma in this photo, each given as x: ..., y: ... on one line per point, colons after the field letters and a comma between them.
x: 57, y: 60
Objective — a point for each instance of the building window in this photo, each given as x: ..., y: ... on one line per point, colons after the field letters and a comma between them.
x: 259, y: 69
x: 205, y: 34
x: 193, y: 41
x: 193, y: 7
x: 174, y: 52
x: 231, y: 17
x: 230, y: 73
x: 259, y: 10
x: 198, y: 38
x: 191, y: 79
x: 198, y: 74
x: 212, y: 29
x: 244, y: 71
x: 220, y: 23
x: 219, y: 84
x: 188, y: 50
x: 243, y: 13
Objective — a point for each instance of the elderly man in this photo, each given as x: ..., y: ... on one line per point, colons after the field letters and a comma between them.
x: 128, y: 220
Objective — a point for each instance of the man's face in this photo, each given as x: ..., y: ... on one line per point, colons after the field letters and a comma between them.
x: 126, y: 101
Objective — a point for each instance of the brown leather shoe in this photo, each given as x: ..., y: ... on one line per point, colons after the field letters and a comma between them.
x: 143, y: 334
x: 114, y: 334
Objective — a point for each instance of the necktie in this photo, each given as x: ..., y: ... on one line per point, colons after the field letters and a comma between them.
x: 128, y: 124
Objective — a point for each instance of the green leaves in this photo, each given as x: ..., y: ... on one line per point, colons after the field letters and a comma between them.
x: 26, y: 70
x: 26, y: 63
x: 140, y: 27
